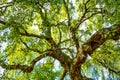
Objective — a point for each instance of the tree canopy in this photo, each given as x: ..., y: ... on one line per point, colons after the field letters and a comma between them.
x: 60, y: 39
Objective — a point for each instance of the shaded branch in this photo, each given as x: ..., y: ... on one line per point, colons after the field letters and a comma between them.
x: 83, y: 15
x: 48, y: 53
x: 60, y: 35
x: 107, y: 67
x: 66, y: 40
x: 98, y: 12
x: 63, y: 75
x: 26, y: 33
x: 85, y: 78
x: 2, y: 22
x: 33, y: 35
x: 84, y: 19
x: 72, y: 30
x: 5, y: 5
x: 26, y: 68
x: 34, y: 50
x: 67, y: 11
x: 74, y: 38
x: 50, y: 40
x: 63, y: 58
x: 100, y: 37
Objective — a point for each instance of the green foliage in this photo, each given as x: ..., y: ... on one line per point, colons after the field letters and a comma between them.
x: 50, y: 18
x: 41, y: 72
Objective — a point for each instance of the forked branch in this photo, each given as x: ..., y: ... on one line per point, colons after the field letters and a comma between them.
x: 100, y: 37
x: 26, y: 68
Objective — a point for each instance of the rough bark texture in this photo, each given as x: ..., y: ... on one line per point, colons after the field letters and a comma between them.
x: 88, y: 47
x: 100, y: 37
x: 75, y: 74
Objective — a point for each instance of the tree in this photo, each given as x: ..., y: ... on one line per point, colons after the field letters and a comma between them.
x: 80, y: 35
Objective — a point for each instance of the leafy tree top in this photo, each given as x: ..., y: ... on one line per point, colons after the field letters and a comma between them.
x: 64, y: 30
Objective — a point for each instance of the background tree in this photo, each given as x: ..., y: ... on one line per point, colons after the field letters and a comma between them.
x: 60, y: 39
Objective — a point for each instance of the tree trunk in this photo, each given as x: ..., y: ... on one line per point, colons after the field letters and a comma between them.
x: 75, y: 74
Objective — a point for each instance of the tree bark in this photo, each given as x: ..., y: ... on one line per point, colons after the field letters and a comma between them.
x: 75, y: 74
x: 71, y: 65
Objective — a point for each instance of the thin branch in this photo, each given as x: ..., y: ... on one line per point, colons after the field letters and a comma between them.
x: 85, y: 78
x: 67, y: 11
x: 63, y: 41
x: 60, y: 35
x: 39, y: 5
x: 26, y: 33
x: 63, y: 75
x: 87, y: 2
x: 84, y: 19
x: 83, y: 16
x: 33, y: 35
x: 41, y: 8
x: 5, y: 5
x: 35, y: 50
x: 72, y: 31
x: 2, y: 22
x: 107, y: 67
x: 99, y: 12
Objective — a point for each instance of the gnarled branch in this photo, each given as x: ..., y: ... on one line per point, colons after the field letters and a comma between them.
x: 100, y: 37
x: 26, y: 68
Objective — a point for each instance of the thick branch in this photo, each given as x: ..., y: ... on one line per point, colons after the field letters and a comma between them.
x: 57, y: 54
x: 100, y: 37
x: 26, y: 68
x: 64, y: 59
